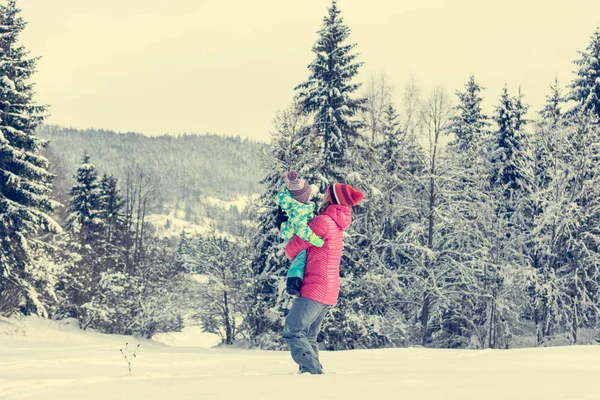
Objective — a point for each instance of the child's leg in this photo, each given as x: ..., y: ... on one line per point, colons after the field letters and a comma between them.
x: 295, y: 274
x: 298, y: 266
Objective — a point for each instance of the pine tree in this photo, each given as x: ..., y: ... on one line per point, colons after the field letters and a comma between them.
x: 579, y: 219
x: 110, y: 205
x: 115, y: 239
x: 585, y: 88
x: 549, y: 193
x: 512, y: 180
x: 25, y: 183
x: 473, y: 226
x: 469, y: 123
x: 552, y: 111
x: 392, y: 139
x: 545, y: 135
x: 84, y: 220
x: 504, y: 116
x: 520, y: 110
x: 510, y: 146
x: 185, y: 257
x: 565, y: 290
x: 548, y: 188
x: 86, y: 228
x: 328, y: 95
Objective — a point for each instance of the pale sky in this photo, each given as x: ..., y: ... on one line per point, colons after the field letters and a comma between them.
x: 226, y: 67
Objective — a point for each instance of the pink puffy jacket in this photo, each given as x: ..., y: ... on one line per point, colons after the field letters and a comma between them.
x: 322, y: 274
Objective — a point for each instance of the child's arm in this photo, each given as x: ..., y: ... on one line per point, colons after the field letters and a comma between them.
x: 296, y: 245
x: 284, y: 199
x: 305, y: 233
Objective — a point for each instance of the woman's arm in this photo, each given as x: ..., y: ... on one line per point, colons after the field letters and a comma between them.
x: 295, y: 246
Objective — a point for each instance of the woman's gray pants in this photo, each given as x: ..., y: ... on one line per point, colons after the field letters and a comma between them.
x: 302, y: 325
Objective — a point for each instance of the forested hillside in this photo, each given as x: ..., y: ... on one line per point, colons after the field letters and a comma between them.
x: 183, y: 167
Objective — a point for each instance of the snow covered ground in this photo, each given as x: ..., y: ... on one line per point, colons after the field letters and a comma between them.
x: 45, y: 360
x: 170, y: 225
x: 241, y: 202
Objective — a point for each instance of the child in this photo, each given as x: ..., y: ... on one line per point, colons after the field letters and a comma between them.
x: 294, y: 201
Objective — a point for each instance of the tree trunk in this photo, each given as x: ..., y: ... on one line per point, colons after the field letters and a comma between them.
x: 492, y: 334
x: 228, y: 330
x: 425, y: 319
x: 574, y: 325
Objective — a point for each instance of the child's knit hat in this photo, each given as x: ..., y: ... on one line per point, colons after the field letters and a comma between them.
x: 299, y: 189
x: 346, y: 195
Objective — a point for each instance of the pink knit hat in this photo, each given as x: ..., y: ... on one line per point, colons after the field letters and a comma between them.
x: 299, y: 188
x: 340, y: 193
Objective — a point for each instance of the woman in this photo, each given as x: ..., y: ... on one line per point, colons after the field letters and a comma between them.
x: 321, y: 284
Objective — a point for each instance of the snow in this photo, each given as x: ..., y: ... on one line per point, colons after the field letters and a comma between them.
x: 200, y: 278
x: 354, y: 177
x: 190, y: 336
x: 87, y: 167
x: 240, y: 203
x: 42, y: 359
x: 6, y: 81
x: 176, y: 226
x: 176, y: 222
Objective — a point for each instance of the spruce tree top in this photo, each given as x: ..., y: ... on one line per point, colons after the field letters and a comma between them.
x: 328, y: 93
x: 552, y: 109
x: 85, y: 201
x: 18, y: 109
x: 520, y: 110
x: 585, y: 88
x: 510, y: 140
x: 510, y: 117
x: 470, y: 122
x: 390, y: 147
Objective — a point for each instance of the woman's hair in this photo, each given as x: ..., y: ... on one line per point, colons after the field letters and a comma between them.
x: 325, y: 202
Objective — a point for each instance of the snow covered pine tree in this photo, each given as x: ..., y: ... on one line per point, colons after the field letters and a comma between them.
x: 25, y: 183
x: 328, y: 96
x: 585, y: 88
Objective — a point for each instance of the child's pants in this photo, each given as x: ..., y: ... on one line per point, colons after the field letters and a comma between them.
x: 298, y: 265
x: 302, y: 325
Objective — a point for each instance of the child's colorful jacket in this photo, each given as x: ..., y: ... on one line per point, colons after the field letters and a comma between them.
x: 299, y: 215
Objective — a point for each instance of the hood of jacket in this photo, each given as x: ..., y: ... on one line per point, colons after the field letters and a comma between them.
x: 341, y: 215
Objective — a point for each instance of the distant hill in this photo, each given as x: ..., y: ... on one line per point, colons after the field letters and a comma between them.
x: 186, y: 167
